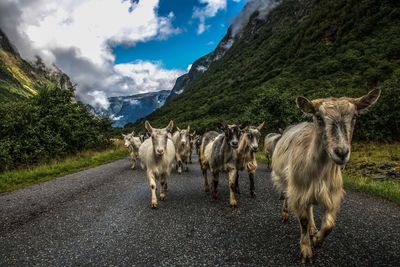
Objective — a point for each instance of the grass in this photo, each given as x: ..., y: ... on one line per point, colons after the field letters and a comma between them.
x: 12, y: 180
x: 369, y: 162
x: 370, y: 168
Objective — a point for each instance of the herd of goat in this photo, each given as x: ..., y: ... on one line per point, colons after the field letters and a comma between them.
x: 306, y: 160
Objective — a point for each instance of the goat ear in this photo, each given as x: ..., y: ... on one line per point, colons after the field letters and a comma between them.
x: 221, y: 126
x: 178, y: 129
x: 133, y: 132
x: 367, y: 100
x: 244, y: 125
x: 305, y: 105
x: 123, y: 135
x: 170, y: 126
x: 148, y: 127
x: 188, y: 128
x: 194, y: 133
x: 259, y: 127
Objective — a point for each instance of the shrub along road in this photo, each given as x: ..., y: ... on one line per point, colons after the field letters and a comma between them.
x: 102, y: 216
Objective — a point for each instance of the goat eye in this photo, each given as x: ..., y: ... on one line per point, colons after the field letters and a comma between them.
x: 319, y: 118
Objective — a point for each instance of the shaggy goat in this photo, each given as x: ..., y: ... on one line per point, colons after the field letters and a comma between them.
x: 307, y: 163
x: 248, y: 145
x: 192, y: 144
x: 182, y: 148
x: 269, y: 145
x: 132, y: 143
x: 218, y: 153
x: 157, y: 155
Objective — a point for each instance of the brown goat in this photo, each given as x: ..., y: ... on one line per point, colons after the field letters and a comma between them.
x: 248, y: 145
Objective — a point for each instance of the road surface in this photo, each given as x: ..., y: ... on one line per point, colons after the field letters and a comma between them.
x: 102, y: 216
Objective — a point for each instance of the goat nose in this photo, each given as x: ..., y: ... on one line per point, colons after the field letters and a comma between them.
x: 234, y: 143
x: 160, y: 151
x: 341, y: 152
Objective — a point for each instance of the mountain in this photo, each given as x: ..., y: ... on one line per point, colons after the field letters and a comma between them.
x: 200, y: 66
x: 298, y: 47
x: 20, y: 78
x: 126, y: 109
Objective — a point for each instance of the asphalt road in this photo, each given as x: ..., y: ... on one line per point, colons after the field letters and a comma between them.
x: 102, y: 216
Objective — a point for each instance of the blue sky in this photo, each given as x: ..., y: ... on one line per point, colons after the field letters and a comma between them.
x: 180, y: 50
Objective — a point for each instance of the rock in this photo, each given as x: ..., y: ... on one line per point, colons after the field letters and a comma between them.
x: 380, y: 177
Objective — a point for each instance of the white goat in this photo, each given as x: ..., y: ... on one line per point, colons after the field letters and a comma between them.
x: 181, y: 139
x: 157, y: 155
x: 132, y: 143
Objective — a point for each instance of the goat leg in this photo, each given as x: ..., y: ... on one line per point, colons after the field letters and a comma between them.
x: 285, y: 209
x: 252, y: 187
x: 237, y: 189
x: 215, y: 184
x: 163, y: 185
x: 305, y: 241
x: 153, y: 188
x: 232, y: 182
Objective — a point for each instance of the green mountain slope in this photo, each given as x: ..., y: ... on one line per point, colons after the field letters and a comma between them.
x: 303, y: 47
x: 21, y: 79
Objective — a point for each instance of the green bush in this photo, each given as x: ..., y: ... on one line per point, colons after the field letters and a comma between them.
x: 47, y: 126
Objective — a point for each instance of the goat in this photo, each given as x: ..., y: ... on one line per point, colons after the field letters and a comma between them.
x: 197, y: 143
x: 269, y: 145
x: 132, y: 143
x: 157, y: 155
x: 307, y: 161
x: 248, y: 145
x: 192, y: 140
x: 182, y: 148
x: 218, y: 153
x: 144, y: 136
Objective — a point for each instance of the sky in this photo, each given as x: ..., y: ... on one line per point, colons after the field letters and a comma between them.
x: 118, y: 47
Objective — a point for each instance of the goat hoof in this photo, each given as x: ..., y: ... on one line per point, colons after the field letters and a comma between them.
x: 215, y: 195
x: 306, y: 255
x: 162, y: 197
x: 233, y: 203
x: 285, y: 216
x: 317, y: 243
x: 153, y: 205
x: 253, y: 194
x: 206, y: 189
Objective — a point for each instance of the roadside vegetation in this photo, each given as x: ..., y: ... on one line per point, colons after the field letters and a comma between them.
x: 374, y: 168
x: 16, y: 179
x: 48, y: 126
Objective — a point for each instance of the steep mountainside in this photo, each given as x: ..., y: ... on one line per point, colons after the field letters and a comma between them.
x: 19, y: 78
x: 302, y: 47
x: 126, y: 109
x: 200, y: 66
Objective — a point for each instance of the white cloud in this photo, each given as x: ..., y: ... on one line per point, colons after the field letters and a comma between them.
x: 147, y: 76
x: 209, y: 9
x: 99, y: 99
x: 262, y: 6
x: 77, y: 36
